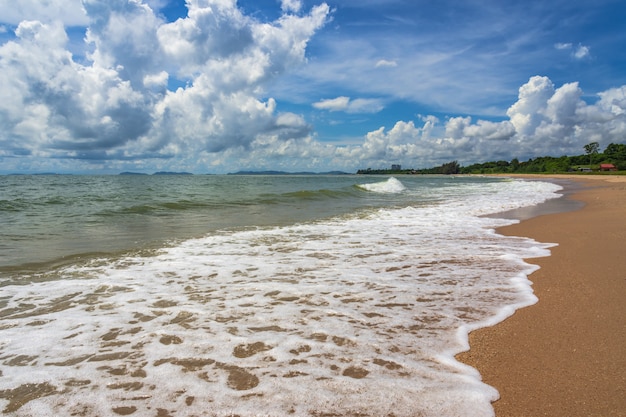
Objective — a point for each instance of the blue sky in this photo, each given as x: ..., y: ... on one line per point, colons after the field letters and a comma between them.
x: 215, y: 86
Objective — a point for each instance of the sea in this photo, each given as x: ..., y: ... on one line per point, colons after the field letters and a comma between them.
x: 255, y: 295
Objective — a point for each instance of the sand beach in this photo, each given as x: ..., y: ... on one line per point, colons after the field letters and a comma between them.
x: 565, y: 356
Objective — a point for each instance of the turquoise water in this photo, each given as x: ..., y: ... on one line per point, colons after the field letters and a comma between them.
x: 254, y: 295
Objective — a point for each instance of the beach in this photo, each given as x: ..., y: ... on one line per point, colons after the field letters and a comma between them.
x: 564, y: 356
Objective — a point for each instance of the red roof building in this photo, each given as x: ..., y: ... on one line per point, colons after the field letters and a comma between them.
x: 607, y: 167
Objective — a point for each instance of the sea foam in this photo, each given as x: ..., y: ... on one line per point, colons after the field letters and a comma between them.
x: 392, y: 185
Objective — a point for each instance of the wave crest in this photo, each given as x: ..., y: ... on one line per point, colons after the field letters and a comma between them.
x: 391, y: 186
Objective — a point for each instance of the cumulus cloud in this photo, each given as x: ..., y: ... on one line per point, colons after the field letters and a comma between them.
x: 613, y: 102
x: 533, y: 95
x: 545, y: 120
x: 484, y: 130
x: 117, y: 106
x: 545, y: 115
x: 345, y: 104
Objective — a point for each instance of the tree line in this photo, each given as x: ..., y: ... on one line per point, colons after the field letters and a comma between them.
x: 591, y: 160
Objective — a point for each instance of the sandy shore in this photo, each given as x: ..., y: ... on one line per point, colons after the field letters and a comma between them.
x: 566, y: 355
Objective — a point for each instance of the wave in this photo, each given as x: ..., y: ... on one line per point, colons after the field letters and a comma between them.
x: 391, y: 186
x: 155, y: 208
x: 8, y: 205
x: 226, y: 202
x: 317, y: 194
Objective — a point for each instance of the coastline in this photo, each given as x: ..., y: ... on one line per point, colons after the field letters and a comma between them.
x: 564, y: 356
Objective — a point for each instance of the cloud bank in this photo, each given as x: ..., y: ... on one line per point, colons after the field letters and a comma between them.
x: 190, y: 95
x: 116, y: 105
x: 544, y: 121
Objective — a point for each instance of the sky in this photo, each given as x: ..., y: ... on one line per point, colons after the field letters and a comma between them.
x: 218, y: 86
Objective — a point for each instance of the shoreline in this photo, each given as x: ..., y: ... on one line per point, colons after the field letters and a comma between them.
x: 564, y: 356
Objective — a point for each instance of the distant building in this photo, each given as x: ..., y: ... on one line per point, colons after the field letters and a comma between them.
x: 607, y: 167
x: 395, y: 167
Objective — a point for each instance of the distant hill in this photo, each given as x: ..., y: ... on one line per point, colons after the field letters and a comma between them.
x: 132, y: 173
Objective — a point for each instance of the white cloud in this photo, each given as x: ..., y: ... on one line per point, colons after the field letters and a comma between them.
x: 333, y: 104
x: 386, y: 63
x: 345, y: 104
x: 582, y: 52
x: 365, y: 105
x: 613, y: 101
x: 117, y: 106
x: 460, y: 127
x: 579, y: 52
x: 525, y: 114
x: 70, y: 12
x: 543, y: 113
x: 563, y: 46
x: 291, y: 6
x: 156, y: 80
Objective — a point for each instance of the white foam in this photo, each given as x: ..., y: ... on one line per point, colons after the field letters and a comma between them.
x: 390, y: 186
x: 358, y: 315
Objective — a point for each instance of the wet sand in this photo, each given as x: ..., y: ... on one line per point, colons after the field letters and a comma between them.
x: 566, y: 355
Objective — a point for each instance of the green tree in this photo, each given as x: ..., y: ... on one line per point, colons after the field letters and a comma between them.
x: 591, y: 149
x: 561, y: 164
x: 615, y: 152
x: 451, y: 168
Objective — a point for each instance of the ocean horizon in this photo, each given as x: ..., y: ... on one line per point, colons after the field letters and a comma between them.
x: 249, y: 295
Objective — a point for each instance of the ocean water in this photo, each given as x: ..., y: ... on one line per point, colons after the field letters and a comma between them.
x: 254, y: 295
